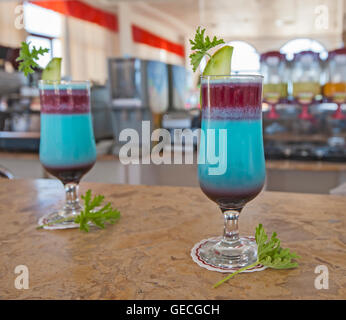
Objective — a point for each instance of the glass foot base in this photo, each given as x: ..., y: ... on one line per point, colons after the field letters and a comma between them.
x: 217, y: 253
x: 62, y: 219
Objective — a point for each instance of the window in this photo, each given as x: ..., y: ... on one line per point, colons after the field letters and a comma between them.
x: 44, y: 28
x: 297, y: 45
x: 245, y: 58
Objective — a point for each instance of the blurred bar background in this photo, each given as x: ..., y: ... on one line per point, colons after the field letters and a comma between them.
x: 136, y: 53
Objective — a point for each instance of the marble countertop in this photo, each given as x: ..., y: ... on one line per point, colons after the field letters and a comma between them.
x: 146, y: 255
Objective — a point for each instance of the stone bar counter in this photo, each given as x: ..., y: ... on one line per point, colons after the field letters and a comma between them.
x: 146, y: 254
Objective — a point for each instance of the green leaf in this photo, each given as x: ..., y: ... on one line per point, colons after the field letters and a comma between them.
x: 269, y: 254
x: 92, y: 213
x: 97, y: 217
x: 201, y: 45
x: 28, y: 58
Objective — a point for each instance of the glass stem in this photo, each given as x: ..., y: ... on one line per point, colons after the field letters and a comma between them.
x: 231, y: 231
x: 72, y: 202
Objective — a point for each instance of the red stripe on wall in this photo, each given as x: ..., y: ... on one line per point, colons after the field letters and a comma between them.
x: 142, y: 36
x: 81, y: 10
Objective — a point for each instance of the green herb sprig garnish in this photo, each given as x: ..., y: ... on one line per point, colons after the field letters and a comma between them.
x: 29, y: 57
x: 99, y: 217
x: 269, y: 254
x: 201, y: 45
x: 89, y: 214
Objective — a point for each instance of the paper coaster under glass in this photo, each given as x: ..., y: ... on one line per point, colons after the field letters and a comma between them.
x: 55, y: 226
x: 195, y: 254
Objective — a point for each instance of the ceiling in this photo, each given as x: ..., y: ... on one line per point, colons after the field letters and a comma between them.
x: 235, y: 19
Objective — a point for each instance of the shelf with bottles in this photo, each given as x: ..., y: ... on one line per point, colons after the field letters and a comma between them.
x: 275, y: 83
x: 305, y: 81
x: 335, y: 88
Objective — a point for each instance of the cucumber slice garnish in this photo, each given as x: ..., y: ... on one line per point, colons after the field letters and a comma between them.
x: 220, y: 62
x: 52, y: 71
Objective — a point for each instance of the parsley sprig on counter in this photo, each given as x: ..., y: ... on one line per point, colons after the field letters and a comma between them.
x: 269, y: 253
x: 97, y: 217
x: 201, y: 46
x: 92, y: 213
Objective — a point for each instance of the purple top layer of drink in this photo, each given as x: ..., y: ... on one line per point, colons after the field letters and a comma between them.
x: 67, y: 101
x: 230, y: 100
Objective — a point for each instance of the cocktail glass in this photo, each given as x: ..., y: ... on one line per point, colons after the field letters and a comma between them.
x: 232, y: 132
x: 272, y: 94
x: 67, y: 143
x: 304, y: 93
x: 336, y: 92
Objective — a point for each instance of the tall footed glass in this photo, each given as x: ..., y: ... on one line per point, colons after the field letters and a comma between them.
x: 231, y: 167
x: 67, y: 143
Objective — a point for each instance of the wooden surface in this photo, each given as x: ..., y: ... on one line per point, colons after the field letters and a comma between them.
x: 146, y: 255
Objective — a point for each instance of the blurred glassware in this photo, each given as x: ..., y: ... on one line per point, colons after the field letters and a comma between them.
x: 306, y: 72
x: 275, y: 72
x: 335, y: 89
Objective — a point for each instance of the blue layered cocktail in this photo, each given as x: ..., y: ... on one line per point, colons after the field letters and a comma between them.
x: 231, y: 165
x: 67, y: 148
x: 232, y: 104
